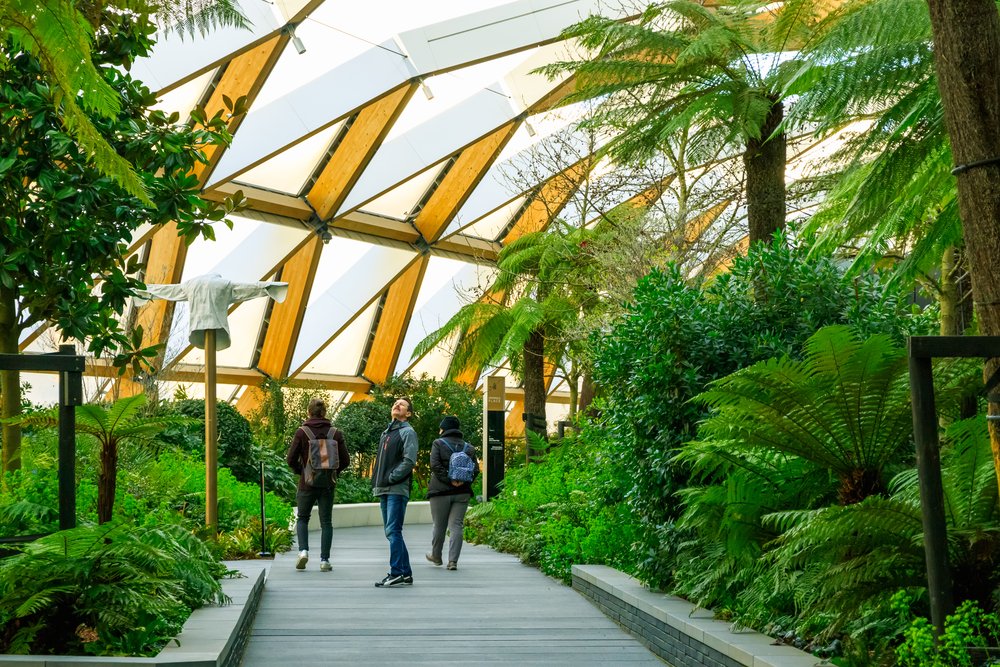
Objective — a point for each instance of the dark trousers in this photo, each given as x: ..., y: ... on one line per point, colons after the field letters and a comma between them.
x: 323, y: 499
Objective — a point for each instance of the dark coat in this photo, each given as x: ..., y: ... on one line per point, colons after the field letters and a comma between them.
x: 299, y: 449
x: 440, y: 484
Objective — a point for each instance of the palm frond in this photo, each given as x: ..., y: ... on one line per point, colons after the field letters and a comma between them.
x: 844, y: 407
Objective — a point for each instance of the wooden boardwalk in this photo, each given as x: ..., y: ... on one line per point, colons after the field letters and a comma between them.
x: 492, y: 610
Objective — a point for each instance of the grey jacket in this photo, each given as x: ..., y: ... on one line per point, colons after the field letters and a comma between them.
x: 397, y: 454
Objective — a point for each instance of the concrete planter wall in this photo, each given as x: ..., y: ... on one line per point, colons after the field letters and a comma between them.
x: 679, y: 632
x: 369, y: 514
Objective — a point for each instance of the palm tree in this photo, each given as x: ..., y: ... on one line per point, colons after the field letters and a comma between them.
x: 537, y: 297
x: 60, y: 32
x: 893, y: 193
x: 113, y: 427
x: 723, y: 70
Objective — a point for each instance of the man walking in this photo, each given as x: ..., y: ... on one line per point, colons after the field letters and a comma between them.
x: 397, y: 454
x: 317, y: 489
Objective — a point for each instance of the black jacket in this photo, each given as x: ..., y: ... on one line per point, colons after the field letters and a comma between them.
x: 440, y: 484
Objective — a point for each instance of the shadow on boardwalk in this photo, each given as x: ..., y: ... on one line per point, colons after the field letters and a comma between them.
x: 492, y: 610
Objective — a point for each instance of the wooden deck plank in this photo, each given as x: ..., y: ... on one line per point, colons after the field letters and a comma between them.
x: 508, y: 612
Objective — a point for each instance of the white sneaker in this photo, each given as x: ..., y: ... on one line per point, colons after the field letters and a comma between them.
x: 324, y: 566
x: 300, y: 564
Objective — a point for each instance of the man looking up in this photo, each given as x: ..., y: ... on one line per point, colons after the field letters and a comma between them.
x: 397, y: 454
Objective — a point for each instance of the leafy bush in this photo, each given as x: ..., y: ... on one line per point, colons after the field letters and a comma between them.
x: 353, y: 489
x: 677, y: 337
x: 236, y: 441
x: 244, y: 542
x: 104, y: 590
x: 968, y: 633
x: 363, y: 421
x: 567, y: 509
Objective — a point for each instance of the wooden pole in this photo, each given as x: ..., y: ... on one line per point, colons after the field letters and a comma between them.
x: 211, y: 438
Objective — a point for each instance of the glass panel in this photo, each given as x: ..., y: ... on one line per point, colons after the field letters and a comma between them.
x: 246, y: 253
x: 349, y: 276
x: 444, y: 91
x: 489, y: 227
x: 342, y: 356
x: 336, y: 32
x: 436, y: 362
x: 186, y: 97
x: 448, y: 285
x: 401, y: 200
x: 288, y: 171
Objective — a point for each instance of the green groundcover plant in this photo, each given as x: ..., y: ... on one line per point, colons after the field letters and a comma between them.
x: 104, y: 590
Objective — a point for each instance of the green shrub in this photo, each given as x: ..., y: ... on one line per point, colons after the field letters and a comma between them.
x: 677, y: 337
x: 244, y: 543
x: 569, y: 508
x: 236, y: 440
x: 968, y: 633
x: 353, y: 489
x: 104, y: 590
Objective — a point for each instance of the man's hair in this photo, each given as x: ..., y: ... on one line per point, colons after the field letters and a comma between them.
x: 317, y: 408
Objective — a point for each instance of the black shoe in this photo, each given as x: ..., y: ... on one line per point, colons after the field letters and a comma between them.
x: 391, y: 580
x: 408, y: 579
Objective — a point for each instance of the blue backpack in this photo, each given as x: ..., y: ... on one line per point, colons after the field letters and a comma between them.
x: 461, y: 466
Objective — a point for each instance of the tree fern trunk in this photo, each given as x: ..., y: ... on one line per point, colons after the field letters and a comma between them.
x: 10, y: 382
x: 764, y: 161
x: 534, y: 385
x: 106, y: 481
x: 967, y: 58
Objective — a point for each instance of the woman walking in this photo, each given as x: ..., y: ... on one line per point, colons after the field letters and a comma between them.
x: 454, y: 466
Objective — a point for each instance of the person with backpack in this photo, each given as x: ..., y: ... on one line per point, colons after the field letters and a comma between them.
x: 453, y: 469
x: 318, y: 454
x: 391, y: 479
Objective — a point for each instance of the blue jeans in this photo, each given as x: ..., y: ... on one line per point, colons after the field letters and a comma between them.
x: 323, y: 499
x: 393, y: 507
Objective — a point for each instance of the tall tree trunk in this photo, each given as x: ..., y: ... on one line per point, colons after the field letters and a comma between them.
x: 106, y: 481
x: 948, y: 296
x: 967, y: 57
x: 534, y: 386
x: 764, y: 162
x: 587, y: 392
x: 10, y: 381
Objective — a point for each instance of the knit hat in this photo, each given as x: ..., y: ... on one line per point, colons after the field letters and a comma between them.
x: 450, y: 423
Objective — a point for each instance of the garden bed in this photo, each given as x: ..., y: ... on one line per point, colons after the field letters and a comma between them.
x: 213, y: 636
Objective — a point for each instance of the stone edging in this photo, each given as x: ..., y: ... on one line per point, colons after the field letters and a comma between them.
x: 368, y: 514
x: 681, y: 633
x: 213, y: 636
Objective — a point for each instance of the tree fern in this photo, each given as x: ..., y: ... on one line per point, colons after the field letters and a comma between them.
x: 120, y: 581
x: 847, y: 557
x: 113, y: 426
x: 845, y: 408
x: 59, y: 34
